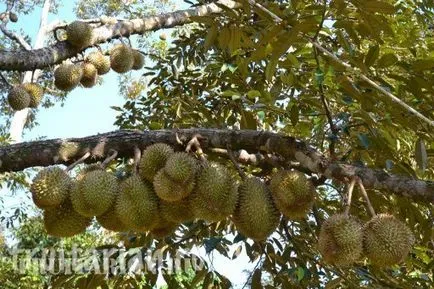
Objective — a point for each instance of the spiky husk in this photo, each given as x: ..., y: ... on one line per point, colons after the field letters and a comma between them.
x: 163, y: 228
x: 121, y: 58
x: 86, y: 169
x: 111, y: 221
x: 215, y: 195
x: 63, y: 221
x: 181, y: 167
x: 341, y: 240
x: 79, y: 34
x: 95, y: 193
x: 36, y: 93
x: 386, y: 240
x: 90, y: 75
x: 292, y: 193
x: 18, y: 98
x: 101, y: 63
x: 255, y: 215
x: 50, y: 187
x: 170, y: 190
x: 139, y: 60
x: 177, y: 212
x: 137, y: 204
x: 67, y: 76
x: 153, y: 159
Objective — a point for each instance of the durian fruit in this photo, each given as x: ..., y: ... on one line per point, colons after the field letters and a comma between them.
x: 137, y: 204
x: 181, y: 167
x: 169, y: 190
x: 36, y: 93
x: 86, y: 169
x: 121, y: 58
x: 18, y: 98
x: 67, y: 76
x: 177, y: 212
x: 216, y: 193
x: 111, y: 221
x: 341, y: 240
x: 101, y: 63
x: 163, y: 228
x: 79, y: 34
x: 63, y: 221
x: 386, y: 240
x: 292, y: 193
x: 153, y: 159
x: 95, y: 193
x: 90, y: 75
x: 139, y: 60
x: 255, y: 215
x: 50, y: 187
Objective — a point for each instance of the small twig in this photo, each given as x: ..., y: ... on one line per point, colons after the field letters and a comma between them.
x: 79, y: 161
x: 137, y: 156
x: 194, y: 142
x: 365, y: 195
x: 234, y: 161
x: 349, y: 196
x: 178, y: 140
x: 15, y: 37
x: 111, y: 157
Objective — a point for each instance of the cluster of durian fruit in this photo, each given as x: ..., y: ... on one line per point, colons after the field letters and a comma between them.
x: 168, y: 189
x: 67, y: 76
x: 384, y: 239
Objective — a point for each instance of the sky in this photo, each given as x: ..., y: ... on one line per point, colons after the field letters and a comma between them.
x: 87, y: 112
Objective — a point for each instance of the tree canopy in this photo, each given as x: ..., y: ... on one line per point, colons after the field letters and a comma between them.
x: 341, y: 91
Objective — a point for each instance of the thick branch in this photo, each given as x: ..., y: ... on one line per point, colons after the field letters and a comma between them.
x: 17, y: 157
x: 44, y: 57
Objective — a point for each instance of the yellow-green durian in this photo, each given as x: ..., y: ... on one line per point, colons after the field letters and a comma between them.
x: 64, y: 221
x: 121, y: 58
x: 18, y: 98
x: 50, y: 187
x: 153, y: 159
x: 79, y: 34
x: 67, y: 76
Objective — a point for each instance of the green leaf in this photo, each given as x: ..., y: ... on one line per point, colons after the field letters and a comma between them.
x: 421, y: 154
x: 423, y: 64
x: 372, y: 55
x: 256, y: 279
x: 294, y: 114
x: 364, y: 140
x: 248, y: 121
x: 252, y: 94
x: 387, y: 60
x: 210, y: 37
x: 378, y: 6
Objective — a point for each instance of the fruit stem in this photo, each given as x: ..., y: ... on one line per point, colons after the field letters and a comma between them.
x: 349, y: 196
x: 365, y: 195
x: 234, y: 161
x: 111, y: 157
x: 137, y: 156
x: 79, y: 161
x: 194, y: 142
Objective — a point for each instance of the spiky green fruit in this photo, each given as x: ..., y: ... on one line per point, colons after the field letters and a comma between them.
x: 111, y: 221
x: 63, y: 221
x: 170, y: 190
x: 163, y: 228
x: 18, y: 98
x: 181, y: 167
x: 36, y: 93
x: 101, y: 63
x: 50, y: 187
x: 341, y: 240
x: 121, y: 58
x: 95, y: 193
x: 386, y: 240
x: 67, y: 76
x: 139, y: 60
x: 90, y: 75
x: 177, y: 212
x: 79, y: 34
x: 255, y: 215
x: 153, y: 159
x: 292, y: 193
x: 215, y: 195
x: 137, y: 204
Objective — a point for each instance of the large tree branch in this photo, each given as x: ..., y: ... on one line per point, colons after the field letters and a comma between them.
x: 17, y: 157
x: 47, y: 56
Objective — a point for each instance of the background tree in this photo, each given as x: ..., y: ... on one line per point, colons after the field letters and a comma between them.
x: 353, y: 79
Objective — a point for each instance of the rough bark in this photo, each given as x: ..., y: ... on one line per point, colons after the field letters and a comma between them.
x: 24, y: 60
x: 17, y: 157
